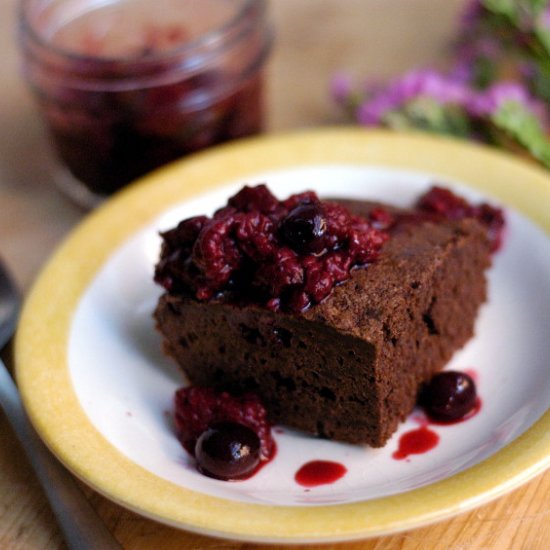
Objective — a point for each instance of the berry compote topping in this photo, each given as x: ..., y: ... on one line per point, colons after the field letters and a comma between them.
x: 449, y: 396
x: 198, y: 410
x: 439, y: 202
x: 285, y: 254
x: 228, y: 451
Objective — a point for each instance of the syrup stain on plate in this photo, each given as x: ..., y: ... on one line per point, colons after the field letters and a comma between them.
x: 320, y: 472
x: 423, y: 439
x: 418, y: 441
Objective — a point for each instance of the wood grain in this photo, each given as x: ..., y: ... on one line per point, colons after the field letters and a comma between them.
x: 314, y: 39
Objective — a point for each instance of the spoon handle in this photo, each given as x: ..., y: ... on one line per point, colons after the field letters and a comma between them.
x: 81, y: 526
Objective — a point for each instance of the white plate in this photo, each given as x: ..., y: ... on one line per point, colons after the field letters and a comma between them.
x: 115, y: 374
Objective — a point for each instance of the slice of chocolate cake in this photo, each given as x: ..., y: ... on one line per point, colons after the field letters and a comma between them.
x: 346, y: 362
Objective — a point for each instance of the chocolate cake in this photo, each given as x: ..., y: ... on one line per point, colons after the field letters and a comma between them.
x: 348, y: 367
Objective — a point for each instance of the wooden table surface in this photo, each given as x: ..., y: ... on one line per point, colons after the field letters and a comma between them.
x: 314, y: 38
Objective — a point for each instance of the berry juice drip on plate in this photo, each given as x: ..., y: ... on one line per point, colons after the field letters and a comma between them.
x: 319, y: 472
x: 449, y: 398
x: 415, y: 442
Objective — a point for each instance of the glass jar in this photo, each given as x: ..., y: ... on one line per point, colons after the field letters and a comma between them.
x: 125, y: 86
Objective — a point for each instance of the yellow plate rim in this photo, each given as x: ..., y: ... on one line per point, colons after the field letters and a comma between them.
x: 42, y: 338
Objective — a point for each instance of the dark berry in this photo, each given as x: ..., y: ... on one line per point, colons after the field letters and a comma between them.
x: 228, y: 450
x: 197, y: 408
x: 448, y: 396
x: 303, y: 228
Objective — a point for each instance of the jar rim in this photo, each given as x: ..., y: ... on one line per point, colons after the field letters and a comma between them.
x: 212, y: 40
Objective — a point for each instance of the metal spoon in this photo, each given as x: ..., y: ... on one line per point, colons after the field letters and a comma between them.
x: 81, y: 526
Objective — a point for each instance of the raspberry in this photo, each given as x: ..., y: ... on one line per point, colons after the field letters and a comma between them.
x: 442, y: 203
x: 445, y: 203
x: 197, y: 409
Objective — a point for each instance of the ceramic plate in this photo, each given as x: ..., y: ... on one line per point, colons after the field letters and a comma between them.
x: 99, y: 390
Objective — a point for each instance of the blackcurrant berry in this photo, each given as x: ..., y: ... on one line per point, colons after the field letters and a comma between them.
x: 303, y: 229
x: 227, y: 450
x: 449, y: 396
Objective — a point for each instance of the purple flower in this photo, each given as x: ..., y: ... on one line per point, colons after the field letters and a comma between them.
x: 442, y: 88
x: 372, y: 111
x: 341, y: 87
x: 527, y: 71
x: 469, y: 52
x: 544, y: 18
x: 511, y: 38
x: 420, y: 83
x: 488, y: 102
x: 472, y: 13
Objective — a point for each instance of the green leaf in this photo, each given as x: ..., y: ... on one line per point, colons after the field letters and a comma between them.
x: 519, y: 12
x: 537, y: 6
x: 523, y: 126
x: 543, y: 34
x: 540, y: 83
x: 541, y: 28
x: 485, y: 72
x: 427, y: 114
x: 507, y: 8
